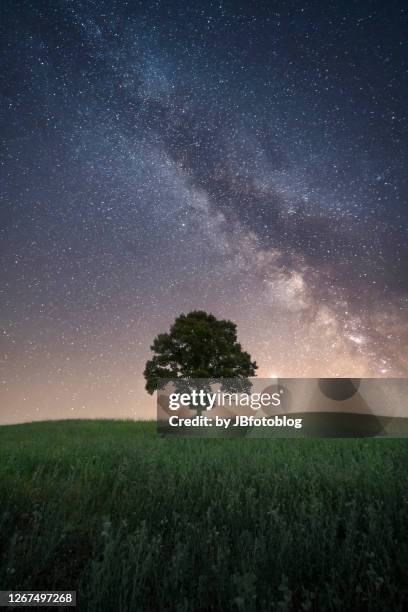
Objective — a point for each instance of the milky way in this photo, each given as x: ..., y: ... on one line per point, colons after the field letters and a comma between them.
x: 249, y: 159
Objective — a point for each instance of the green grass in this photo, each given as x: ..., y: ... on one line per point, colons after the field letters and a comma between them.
x: 134, y: 522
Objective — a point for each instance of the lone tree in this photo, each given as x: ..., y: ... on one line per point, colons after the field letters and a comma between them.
x: 198, y: 346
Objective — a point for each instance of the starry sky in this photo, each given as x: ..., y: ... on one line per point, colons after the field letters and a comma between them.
x: 246, y: 158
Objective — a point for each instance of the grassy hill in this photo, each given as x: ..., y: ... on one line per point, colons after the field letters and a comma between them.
x: 133, y: 521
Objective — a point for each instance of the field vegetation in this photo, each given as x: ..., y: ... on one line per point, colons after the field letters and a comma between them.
x: 134, y: 521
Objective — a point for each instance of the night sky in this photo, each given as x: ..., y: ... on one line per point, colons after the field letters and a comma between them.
x: 249, y: 159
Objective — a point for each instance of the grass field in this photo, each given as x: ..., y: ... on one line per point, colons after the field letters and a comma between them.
x: 134, y: 522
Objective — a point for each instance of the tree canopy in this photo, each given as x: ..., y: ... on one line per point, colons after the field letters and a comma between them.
x: 198, y: 346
